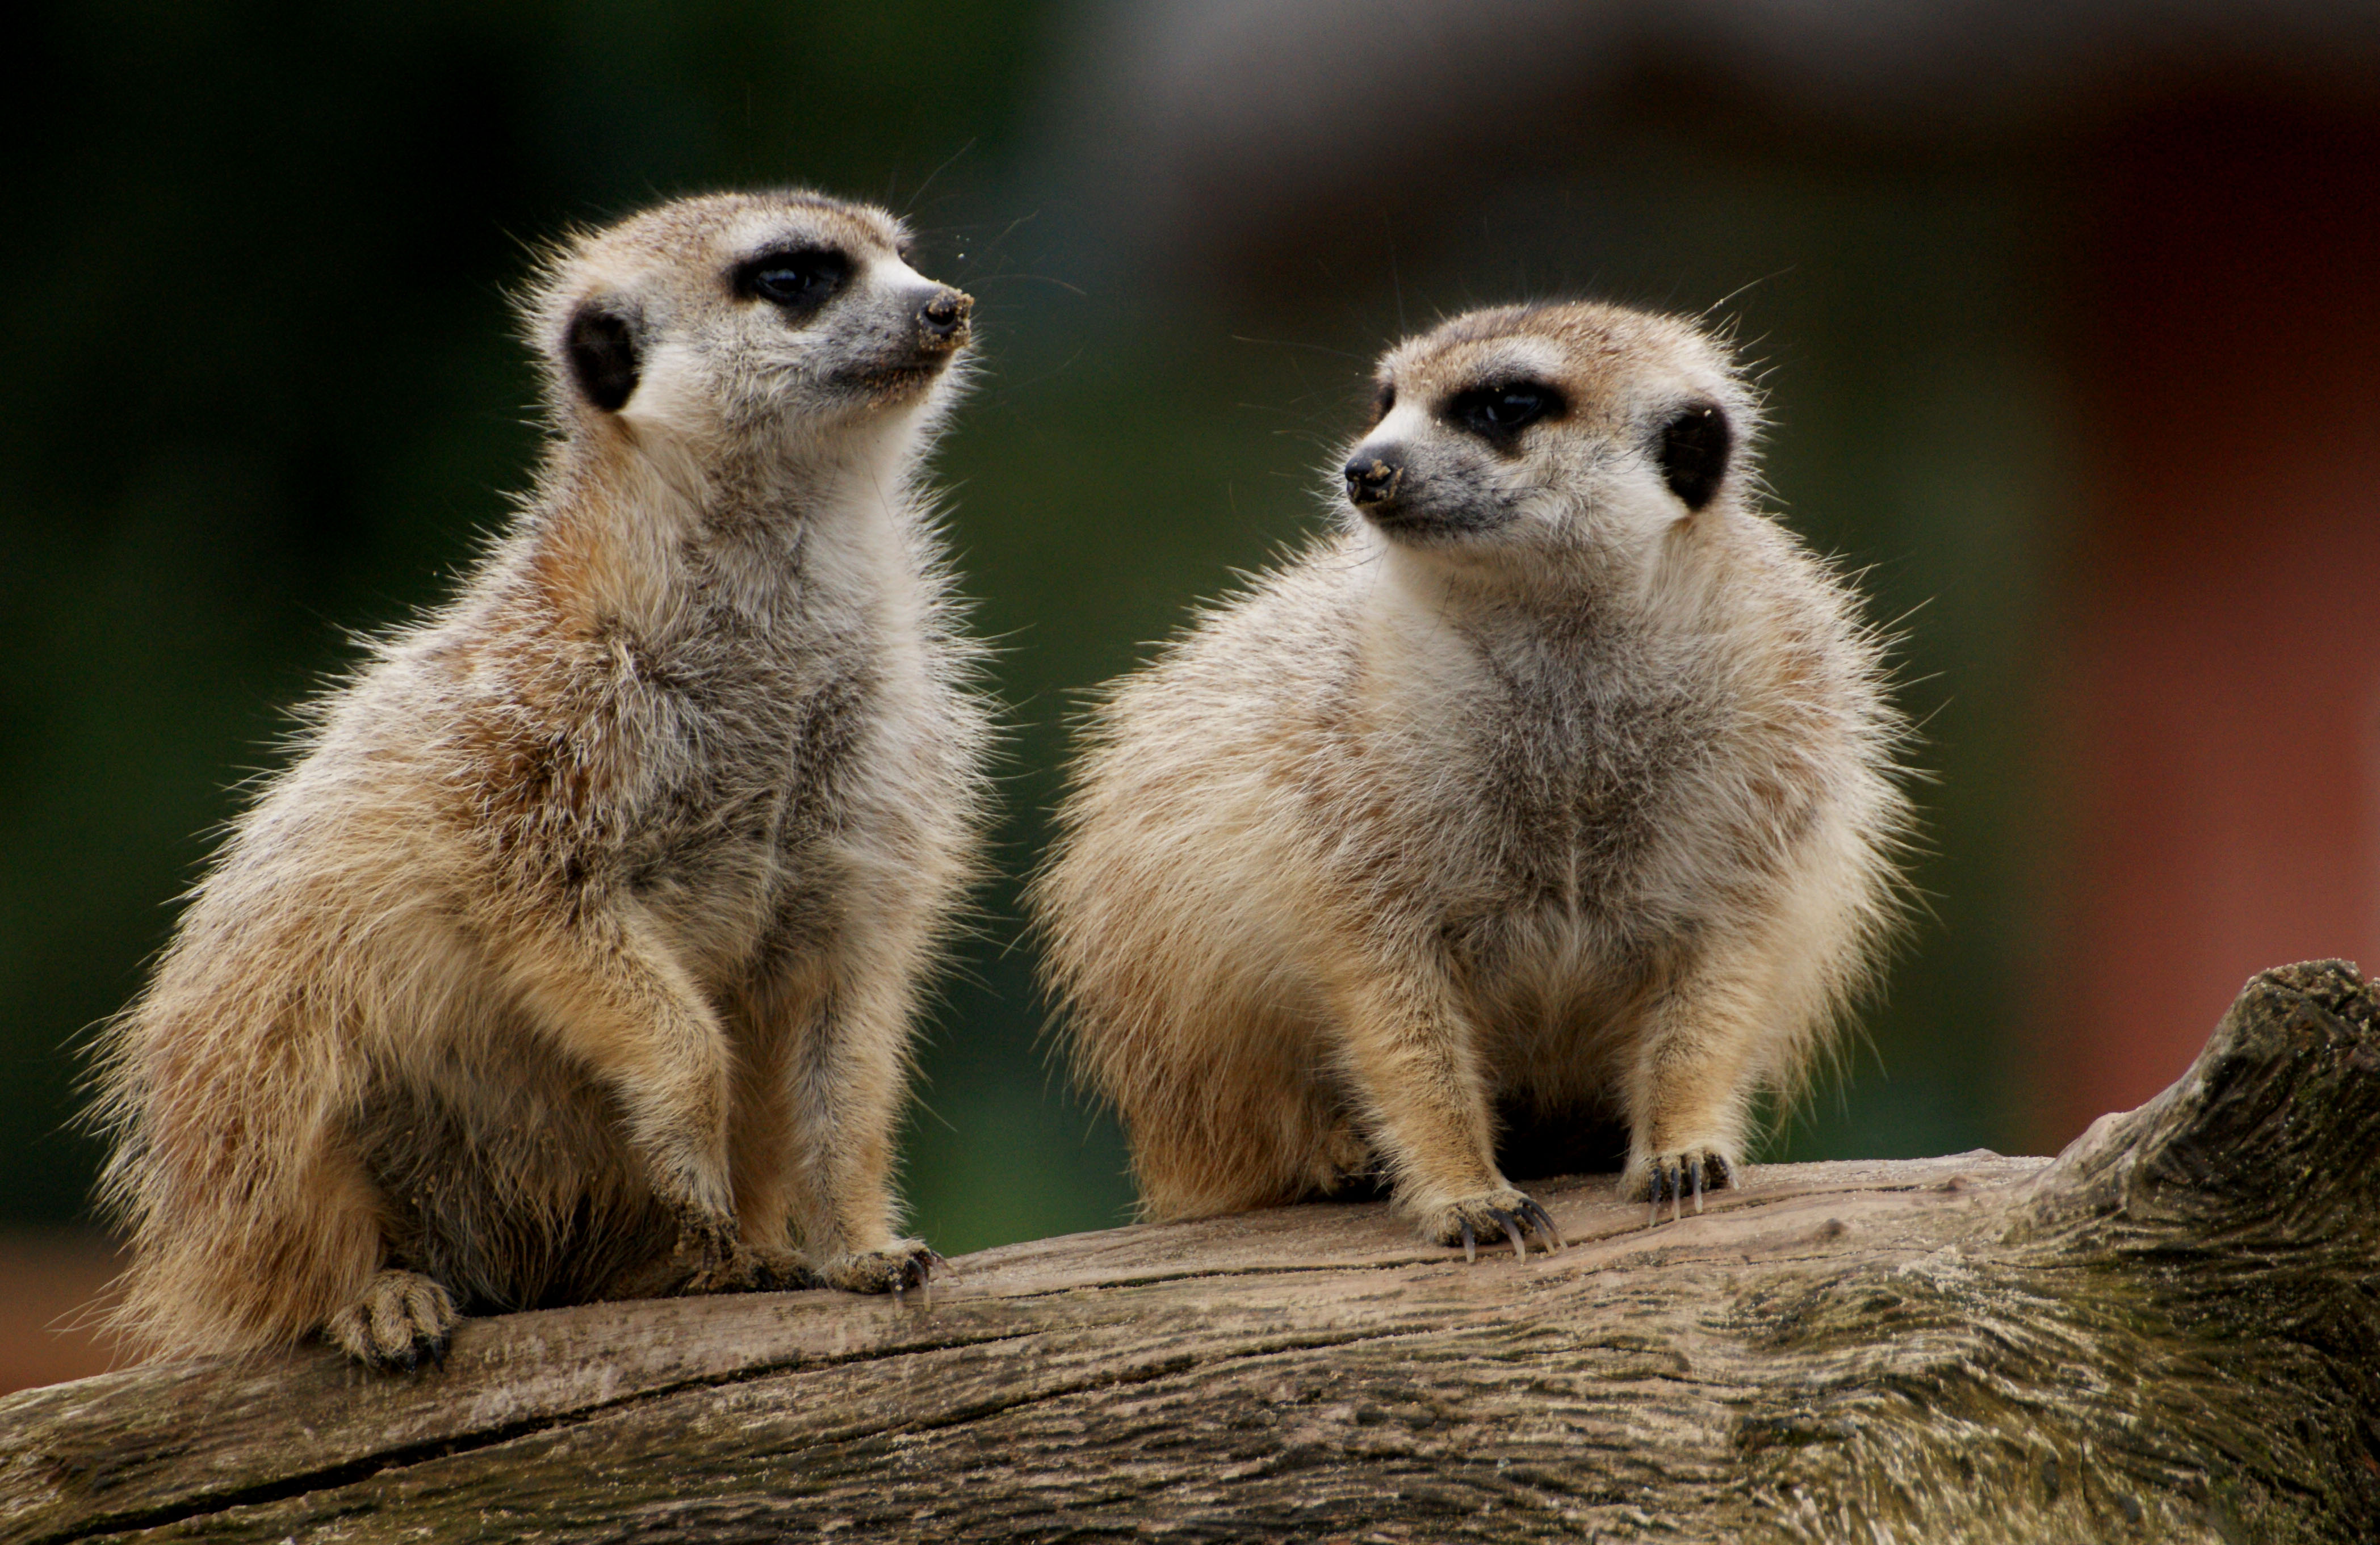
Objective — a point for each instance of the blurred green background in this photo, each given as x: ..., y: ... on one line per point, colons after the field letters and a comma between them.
x: 264, y: 391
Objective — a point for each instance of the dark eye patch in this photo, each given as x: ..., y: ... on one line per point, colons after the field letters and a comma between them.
x: 797, y: 282
x: 1693, y: 452
x: 1383, y: 400
x: 1498, y: 413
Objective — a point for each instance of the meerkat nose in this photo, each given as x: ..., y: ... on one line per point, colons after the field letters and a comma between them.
x: 942, y: 321
x: 1373, y: 477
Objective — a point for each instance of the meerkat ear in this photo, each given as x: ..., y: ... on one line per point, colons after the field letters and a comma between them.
x: 601, y: 347
x: 1694, y: 446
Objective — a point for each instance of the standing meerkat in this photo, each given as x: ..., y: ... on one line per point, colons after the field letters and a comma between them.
x: 575, y: 955
x: 1561, y: 777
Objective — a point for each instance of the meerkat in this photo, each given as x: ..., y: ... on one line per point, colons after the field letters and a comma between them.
x: 1559, y: 777
x: 575, y: 955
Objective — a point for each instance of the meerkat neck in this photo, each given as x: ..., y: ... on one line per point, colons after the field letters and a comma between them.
x: 1581, y: 614
x: 1429, y: 591
x: 636, y: 530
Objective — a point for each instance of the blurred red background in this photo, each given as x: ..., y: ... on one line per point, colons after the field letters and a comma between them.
x: 2222, y: 703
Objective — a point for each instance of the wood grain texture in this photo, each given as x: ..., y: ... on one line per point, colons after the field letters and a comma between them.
x: 2170, y: 1333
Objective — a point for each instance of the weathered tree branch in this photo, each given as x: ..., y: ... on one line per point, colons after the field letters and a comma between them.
x: 2170, y: 1333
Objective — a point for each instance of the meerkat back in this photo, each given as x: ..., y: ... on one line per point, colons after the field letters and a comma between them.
x: 574, y: 955
x: 1560, y: 779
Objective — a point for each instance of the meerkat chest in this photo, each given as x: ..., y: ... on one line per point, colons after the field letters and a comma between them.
x: 1591, y: 786
x: 1559, y: 859
x: 1530, y: 757
x: 761, y: 745
x: 1556, y: 785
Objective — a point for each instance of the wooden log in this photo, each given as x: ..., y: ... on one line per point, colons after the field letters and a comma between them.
x: 2170, y: 1333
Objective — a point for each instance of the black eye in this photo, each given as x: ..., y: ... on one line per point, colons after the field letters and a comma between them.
x: 1498, y: 413
x: 1693, y: 450
x: 1382, y: 401
x: 798, y: 282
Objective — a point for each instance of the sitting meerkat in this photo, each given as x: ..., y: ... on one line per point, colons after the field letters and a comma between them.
x: 575, y: 955
x: 1560, y: 778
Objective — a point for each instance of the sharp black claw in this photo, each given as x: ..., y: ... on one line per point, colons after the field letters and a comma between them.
x: 1542, y: 1221
x: 1511, y: 1231
x: 1470, y: 1242
x: 1695, y: 1168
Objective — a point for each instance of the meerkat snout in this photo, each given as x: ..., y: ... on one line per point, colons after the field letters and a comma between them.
x: 1373, y: 477
x: 942, y: 321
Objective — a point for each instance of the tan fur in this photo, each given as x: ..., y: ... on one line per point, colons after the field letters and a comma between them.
x: 1552, y: 793
x: 575, y: 955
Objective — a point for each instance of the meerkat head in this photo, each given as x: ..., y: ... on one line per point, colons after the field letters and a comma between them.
x: 1535, y: 430
x: 743, y: 314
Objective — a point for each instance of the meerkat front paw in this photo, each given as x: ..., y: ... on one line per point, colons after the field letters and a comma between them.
x: 1474, y: 1218
x: 1671, y: 1176
x: 902, y: 1264
x: 403, y: 1320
